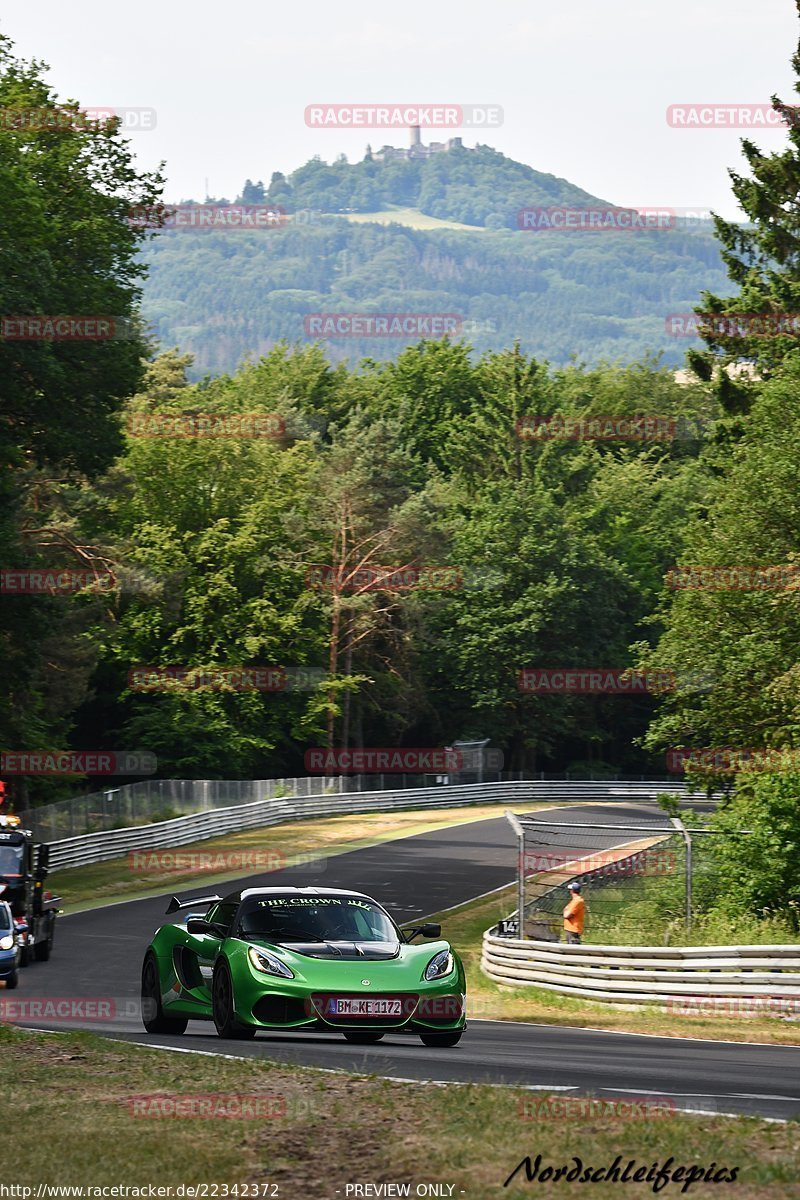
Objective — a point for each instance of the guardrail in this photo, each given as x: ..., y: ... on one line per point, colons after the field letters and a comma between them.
x: 647, y: 974
x: 99, y: 847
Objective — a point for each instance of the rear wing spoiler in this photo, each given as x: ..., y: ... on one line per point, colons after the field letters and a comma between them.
x: 175, y: 904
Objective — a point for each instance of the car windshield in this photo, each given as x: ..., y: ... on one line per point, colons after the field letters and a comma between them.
x: 317, y: 919
x: 10, y: 861
x: 5, y: 918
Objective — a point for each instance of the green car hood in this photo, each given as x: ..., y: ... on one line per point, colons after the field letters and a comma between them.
x: 401, y: 969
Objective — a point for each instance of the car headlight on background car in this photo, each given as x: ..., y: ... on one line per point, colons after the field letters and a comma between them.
x: 440, y: 965
x: 262, y: 960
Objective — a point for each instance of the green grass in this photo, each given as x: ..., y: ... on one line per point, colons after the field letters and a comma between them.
x: 407, y: 216
x: 72, y: 1103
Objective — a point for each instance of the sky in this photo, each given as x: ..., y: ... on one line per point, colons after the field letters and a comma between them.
x: 584, y: 86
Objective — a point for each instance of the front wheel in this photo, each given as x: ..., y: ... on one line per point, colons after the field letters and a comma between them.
x: 224, y: 1008
x: 362, y: 1039
x: 153, y: 1017
x: 12, y: 981
x: 442, y: 1039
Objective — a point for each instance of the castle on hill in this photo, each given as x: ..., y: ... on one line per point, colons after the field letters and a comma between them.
x: 416, y: 148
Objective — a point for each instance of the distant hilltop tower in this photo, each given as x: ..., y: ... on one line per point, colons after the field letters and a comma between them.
x: 416, y: 148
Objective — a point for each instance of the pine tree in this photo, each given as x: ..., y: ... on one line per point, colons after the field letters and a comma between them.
x: 763, y: 258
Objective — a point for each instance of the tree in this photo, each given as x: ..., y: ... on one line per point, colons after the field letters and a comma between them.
x: 252, y: 193
x: 762, y: 259
x: 67, y: 187
x: 741, y: 633
x: 759, y: 872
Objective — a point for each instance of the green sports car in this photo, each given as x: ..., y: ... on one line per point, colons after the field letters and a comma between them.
x: 301, y: 958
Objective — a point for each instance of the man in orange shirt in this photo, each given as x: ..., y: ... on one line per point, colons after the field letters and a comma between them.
x: 575, y: 915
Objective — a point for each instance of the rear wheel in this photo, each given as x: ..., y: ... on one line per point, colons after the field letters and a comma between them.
x: 223, y: 1006
x: 362, y: 1039
x: 442, y: 1039
x: 153, y: 1017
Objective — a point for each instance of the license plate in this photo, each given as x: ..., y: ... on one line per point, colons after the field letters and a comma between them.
x: 366, y: 1008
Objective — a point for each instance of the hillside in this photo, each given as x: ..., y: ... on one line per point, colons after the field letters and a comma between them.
x: 379, y: 237
x: 475, y: 187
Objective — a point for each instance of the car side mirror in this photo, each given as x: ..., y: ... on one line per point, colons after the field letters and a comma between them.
x: 201, y: 925
x: 430, y: 930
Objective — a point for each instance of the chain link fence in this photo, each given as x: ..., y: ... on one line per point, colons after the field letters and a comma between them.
x: 640, y: 881
x: 152, y: 800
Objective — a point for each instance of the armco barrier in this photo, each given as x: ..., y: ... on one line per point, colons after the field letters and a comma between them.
x: 98, y: 847
x: 646, y: 974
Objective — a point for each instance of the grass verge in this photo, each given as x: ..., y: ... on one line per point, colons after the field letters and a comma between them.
x: 87, y: 1106
x: 465, y: 926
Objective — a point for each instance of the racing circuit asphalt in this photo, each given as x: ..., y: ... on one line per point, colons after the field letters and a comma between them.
x: 98, y: 955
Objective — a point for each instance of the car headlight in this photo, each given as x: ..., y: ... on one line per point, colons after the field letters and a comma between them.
x: 440, y: 965
x: 7, y: 943
x: 262, y: 960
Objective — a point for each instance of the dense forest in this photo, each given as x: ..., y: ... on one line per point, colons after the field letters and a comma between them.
x: 591, y: 296
x: 398, y: 539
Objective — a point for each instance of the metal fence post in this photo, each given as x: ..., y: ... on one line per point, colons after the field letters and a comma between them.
x: 520, y: 832
x: 687, y: 840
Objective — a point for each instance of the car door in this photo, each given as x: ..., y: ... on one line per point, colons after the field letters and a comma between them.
x: 195, y: 958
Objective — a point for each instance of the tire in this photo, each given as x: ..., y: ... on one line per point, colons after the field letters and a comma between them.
x: 153, y: 1017
x: 222, y: 1004
x: 43, y: 950
x: 362, y: 1039
x: 12, y: 981
x: 442, y: 1039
